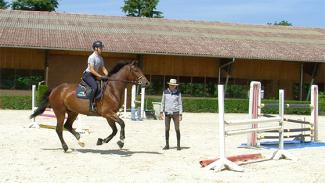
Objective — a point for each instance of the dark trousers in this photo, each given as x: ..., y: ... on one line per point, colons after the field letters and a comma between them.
x: 89, y: 78
x: 175, y: 117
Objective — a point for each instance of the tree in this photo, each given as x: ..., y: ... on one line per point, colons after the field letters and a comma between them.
x: 142, y: 8
x: 283, y: 23
x: 35, y: 5
x: 3, y: 4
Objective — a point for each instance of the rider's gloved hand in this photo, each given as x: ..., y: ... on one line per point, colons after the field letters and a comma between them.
x: 104, y: 78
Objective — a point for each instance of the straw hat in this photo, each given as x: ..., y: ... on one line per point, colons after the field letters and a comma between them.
x: 172, y: 82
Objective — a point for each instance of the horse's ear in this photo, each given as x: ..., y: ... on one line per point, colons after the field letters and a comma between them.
x: 134, y: 62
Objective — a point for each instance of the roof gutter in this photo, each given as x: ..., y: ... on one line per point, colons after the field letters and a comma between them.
x: 222, y: 66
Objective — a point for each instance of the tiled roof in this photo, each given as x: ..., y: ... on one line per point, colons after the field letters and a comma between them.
x: 49, y: 30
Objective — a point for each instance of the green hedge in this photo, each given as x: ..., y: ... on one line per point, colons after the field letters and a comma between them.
x: 196, y: 104
x: 16, y: 102
x: 287, y: 111
x: 190, y: 104
x: 40, y: 92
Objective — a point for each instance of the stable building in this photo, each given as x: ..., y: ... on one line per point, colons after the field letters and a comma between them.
x: 57, y: 45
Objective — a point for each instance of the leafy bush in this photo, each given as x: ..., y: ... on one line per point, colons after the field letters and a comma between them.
x: 25, y: 82
x: 321, y: 97
x: 199, y: 104
x: 16, y: 102
x: 275, y: 110
x: 190, y: 104
x: 321, y: 103
x: 237, y: 91
x: 40, y: 92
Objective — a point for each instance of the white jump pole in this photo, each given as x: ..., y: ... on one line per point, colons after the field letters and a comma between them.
x: 281, y: 153
x: 143, y: 115
x: 133, y: 110
x: 133, y: 93
x: 33, y: 98
x: 34, y: 124
x: 125, y: 101
x: 314, y: 110
x: 223, y: 162
x: 79, y: 125
x: 281, y: 114
x: 254, y: 111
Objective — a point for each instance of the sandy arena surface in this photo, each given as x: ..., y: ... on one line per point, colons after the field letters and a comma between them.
x: 36, y: 155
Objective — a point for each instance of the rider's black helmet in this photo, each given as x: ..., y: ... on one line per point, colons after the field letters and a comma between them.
x: 98, y: 44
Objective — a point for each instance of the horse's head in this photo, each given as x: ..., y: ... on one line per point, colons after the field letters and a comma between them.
x: 137, y: 75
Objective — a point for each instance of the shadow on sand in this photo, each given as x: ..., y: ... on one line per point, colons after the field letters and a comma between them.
x: 120, y: 152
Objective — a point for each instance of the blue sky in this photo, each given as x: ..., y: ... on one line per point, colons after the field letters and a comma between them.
x: 302, y: 13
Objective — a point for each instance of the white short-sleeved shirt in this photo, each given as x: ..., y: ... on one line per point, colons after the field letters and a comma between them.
x: 96, y: 60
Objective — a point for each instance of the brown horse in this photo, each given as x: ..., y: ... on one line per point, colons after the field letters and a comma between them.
x: 63, y: 100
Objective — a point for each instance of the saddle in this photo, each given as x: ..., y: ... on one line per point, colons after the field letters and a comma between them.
x: 83, y: 90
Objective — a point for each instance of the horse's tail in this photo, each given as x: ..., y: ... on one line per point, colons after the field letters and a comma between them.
x: 44, y: 103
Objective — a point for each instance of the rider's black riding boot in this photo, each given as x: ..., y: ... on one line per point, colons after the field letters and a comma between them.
x: 178, y: 135
x: 92, y: 107
x: 167, y: 140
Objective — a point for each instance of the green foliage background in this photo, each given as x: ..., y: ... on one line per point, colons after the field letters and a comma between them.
x: 190, y: 104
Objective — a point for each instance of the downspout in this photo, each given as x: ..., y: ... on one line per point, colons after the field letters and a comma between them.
x: 140, y: 61
x: 315, y: 70
x: 221, y: 67
x: 141, y: 66
x: 301, y: 80
x: 46, y: 66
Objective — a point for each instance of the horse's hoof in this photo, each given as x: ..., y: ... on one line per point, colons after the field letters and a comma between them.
x: 68, y: 150
x: 100, y: 141
x: 81, y: 142
x: 120, y: 144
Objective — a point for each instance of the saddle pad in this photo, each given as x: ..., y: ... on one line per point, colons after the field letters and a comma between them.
x: 81, y: 92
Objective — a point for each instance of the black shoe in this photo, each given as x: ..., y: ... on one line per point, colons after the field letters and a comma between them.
x: 166, y: 147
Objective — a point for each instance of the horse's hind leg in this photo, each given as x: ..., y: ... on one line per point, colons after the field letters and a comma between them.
x: 120, y: 143
x: 107, y: 139
x: 68, y: 125
x: 59, y: 128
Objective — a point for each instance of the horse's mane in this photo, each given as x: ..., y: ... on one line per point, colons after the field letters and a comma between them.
x: 117, y: 67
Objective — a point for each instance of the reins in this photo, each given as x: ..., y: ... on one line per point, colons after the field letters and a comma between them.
x: 121, y: 80
x: 136, y: 82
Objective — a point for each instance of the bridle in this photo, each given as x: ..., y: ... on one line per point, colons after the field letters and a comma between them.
x: 136, y: 82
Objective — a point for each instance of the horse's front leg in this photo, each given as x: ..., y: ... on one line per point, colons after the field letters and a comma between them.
x: 120, y: 143
x: 107, y: 139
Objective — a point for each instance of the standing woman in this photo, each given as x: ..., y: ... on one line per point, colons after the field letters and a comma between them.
x: 172, y: 108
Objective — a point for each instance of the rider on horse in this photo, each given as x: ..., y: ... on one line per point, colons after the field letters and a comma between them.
x: 95, y: 65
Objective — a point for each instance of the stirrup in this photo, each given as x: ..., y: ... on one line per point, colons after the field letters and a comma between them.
x: 92, y: 108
